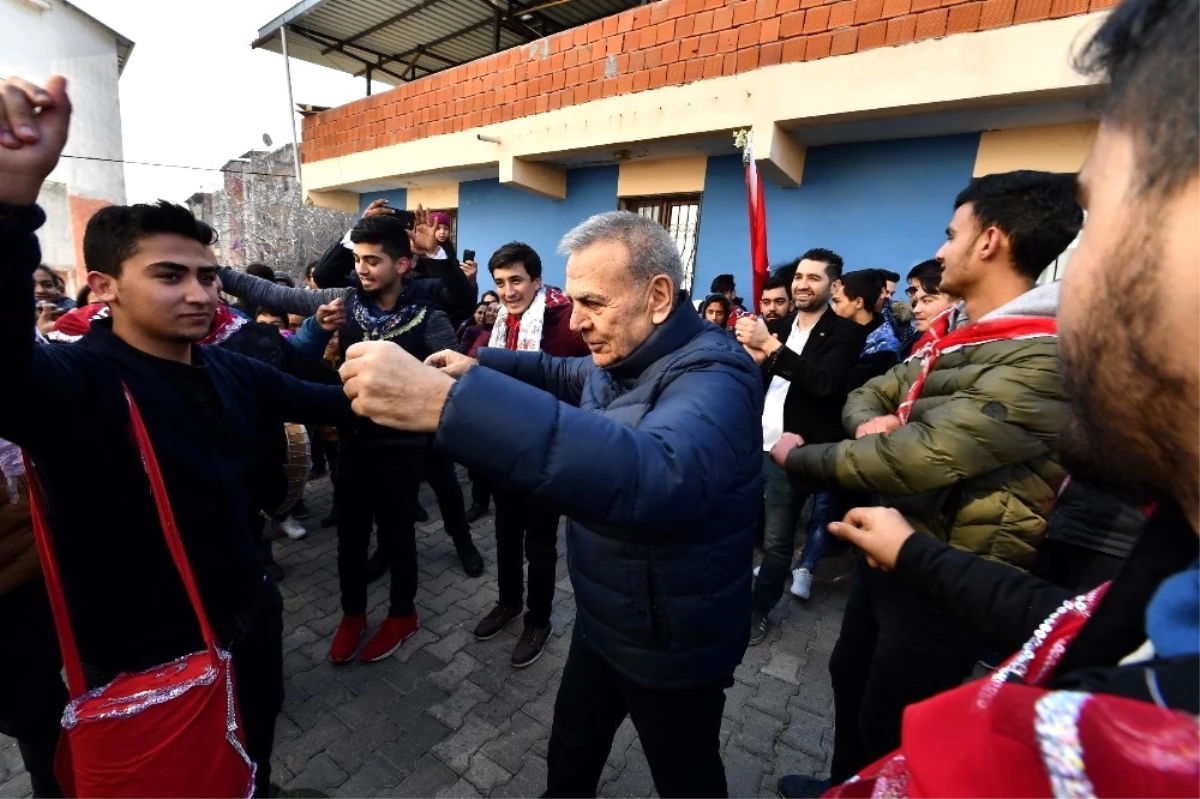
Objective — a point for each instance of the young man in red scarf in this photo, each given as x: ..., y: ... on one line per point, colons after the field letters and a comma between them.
x: 532, y: 318
x: 961, y: 439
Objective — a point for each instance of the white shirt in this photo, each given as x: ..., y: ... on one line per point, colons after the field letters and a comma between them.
x: 772, y: 418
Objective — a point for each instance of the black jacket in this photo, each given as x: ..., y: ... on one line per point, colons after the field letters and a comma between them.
x: 65, y: 406
x: 818, y: 375
x: 1007, y: 605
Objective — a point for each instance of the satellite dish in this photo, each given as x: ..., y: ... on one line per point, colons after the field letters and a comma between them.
x: 267, y: 139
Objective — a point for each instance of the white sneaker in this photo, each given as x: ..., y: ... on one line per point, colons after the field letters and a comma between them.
x: 801, y: 583
x: 756, y: 568
x: 292, y: 528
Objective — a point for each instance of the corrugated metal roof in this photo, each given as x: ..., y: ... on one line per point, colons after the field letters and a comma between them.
x: 406, y: 39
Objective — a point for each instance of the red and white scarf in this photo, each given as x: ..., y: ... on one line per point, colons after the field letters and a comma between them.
x: 75, y: 324
x: 525, y: 335
x: 940, y: 339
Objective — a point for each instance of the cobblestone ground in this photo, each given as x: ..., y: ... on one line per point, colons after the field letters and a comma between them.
x: 447, y: 716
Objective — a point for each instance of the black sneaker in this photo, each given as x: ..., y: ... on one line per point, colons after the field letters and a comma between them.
x: 796, y: 786
x: 758, y: 629
x: 529, y: 648
x: 300, y: 510
x: 377, y: 566
x: 494, y: 622
x: 468, y: 555
x: 476, y: 512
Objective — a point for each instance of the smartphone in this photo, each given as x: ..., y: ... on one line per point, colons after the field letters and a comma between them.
x: 407, y: 217
x: 468, y: 255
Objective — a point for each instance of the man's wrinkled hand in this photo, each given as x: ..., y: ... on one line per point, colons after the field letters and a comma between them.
x: 880, y: 424
x: 33, y: 131
x: 451, y: 363
x: 332, y: 316
x: 878, y: 532
x: 392, y: 388
x: 784, y: 446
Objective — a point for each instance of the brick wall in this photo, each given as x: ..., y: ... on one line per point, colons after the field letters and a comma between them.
x: 669, y: 42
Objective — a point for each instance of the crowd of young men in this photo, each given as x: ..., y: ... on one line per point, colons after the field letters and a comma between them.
x: 948, y: 423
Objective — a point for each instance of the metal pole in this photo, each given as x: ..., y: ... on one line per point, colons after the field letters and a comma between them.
x: 496, y: 33
x: 287, y: 67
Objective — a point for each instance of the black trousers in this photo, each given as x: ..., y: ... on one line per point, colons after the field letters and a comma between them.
x: 32, y: 693
x: 680, y: 730
x: 257, y: 649
x: 481, y: 489
x: 894, y: 649
x: 443, y: 479
x: 380, y: 487
x: 526, y: 530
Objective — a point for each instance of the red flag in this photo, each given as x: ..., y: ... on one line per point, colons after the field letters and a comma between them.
x: 758, y: 223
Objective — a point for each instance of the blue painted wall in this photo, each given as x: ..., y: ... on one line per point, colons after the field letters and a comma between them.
x: 877, y: 204
x: 490, y: 215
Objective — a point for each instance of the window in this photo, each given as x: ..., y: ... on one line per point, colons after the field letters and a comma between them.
x: 680, y: 215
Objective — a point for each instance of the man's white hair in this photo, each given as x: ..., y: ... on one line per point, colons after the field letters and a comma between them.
x: 652, y: 251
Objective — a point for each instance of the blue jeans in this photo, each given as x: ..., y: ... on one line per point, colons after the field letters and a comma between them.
x: 827, y: 507
x: 782, y: 509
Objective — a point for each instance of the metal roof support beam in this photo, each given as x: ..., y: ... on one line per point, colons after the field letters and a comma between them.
x: 313, y: 36
x: 287, y: 68
x: 389, y: 21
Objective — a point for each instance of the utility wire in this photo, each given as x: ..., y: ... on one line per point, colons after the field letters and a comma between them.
x: 176, y: 166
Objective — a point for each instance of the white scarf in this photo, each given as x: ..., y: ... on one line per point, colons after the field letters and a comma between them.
x: 529, y: 336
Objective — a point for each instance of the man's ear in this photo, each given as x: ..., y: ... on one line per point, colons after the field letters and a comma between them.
x: 661, y: 294
x: 993, y: 242
x: 103, y: 286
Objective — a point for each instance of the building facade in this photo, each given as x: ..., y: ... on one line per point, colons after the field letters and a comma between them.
x: 39, y: 38
x: 868, y: 116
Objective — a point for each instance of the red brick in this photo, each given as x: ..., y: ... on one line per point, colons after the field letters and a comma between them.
x: 703, y: 23
x: 647, y: 38
x: 997, y: 14
x: 688, y: 48
x: 1032, y: 10
x: 816, y: 20
x: 676, y: 8
x: 570, y: 59
x: 664, y: 32
x: 844, y: 42
x: 787, y: 7
x: 1067, y: 8
x: 624, y: 84
x: 594, y: 91
x: 770, y: 54
x: 723, y: 18
x: 895, y: 8
x: 658, y: 77
x: 764, y: 9
x: 729, y: 64
x: 610, y: 88
x: 641, y: 81
x: 817, y: 46
x: 659, y: 11
x: 931, y: 24
x: 684, y: 27
x: 841, y: 15
x: 743, y: 12
x: 560, y: 81
x: 769, y: 32
x: 791, y: 25
x: 964, y: 19
x: 625, y: 22
x: 654, y: 58
x: 793, y: 50
x: 637, y: 61
x: 747, y: 59
x: 708, y: 45
x: 694, y: 7
x: 728, y: 42
x: 693, y: 70
x: 748, y: 35
x: 675, y: 72
x: 712, y: 66
x: 641, y: 17
x: 924, y: 5
x: 872, y: 36
x: 868, y: 11
x: 811, y: 3
x: 595, y: 31
x: 610, y: 25
x: 670, y: 52
x: 598, y: 70
x: 1096, y: 5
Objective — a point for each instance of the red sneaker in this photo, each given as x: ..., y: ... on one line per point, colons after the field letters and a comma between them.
x: 389, y: 636
x: 345, y: 640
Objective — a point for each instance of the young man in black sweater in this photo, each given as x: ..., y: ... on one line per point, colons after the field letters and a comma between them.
x: 66, y: 406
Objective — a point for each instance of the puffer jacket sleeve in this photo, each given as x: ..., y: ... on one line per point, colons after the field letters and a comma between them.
x: 879, y: 396
x: 1012, y: 413
x: 562, y: 377
x: 653, y: 482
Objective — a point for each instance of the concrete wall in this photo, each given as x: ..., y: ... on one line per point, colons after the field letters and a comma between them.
x: 36, y: 43
x: 877, y: 204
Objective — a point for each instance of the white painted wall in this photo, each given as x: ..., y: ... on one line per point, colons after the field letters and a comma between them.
x: 39, y: 38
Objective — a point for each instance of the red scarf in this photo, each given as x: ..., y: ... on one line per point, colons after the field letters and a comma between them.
x: 512, y: 335
x: 939, y: 339
x: 74, y: 324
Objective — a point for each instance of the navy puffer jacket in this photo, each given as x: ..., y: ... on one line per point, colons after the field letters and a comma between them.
x: 656, y: 461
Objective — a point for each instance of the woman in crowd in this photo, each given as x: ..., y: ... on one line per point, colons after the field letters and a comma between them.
x: 716, y: 309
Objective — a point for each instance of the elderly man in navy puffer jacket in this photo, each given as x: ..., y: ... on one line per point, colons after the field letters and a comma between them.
x: 652, y: 448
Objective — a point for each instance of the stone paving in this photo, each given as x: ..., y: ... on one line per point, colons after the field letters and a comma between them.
x: 447, y: 716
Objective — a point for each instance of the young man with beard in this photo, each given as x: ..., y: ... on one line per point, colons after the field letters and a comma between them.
x: 533, y: 318
x: 776, y: 300
x: 152, y: 266
x: 961, y: 439
x: 1102, y: 695
x: 805, y: 361
x: 380, y: 470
